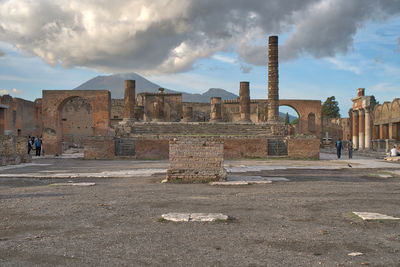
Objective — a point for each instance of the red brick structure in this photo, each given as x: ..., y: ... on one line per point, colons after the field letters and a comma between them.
x: 53, y: 102
x: 100, y: 147
x: 303, y: 148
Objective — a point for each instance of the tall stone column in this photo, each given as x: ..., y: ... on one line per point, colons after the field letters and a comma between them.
x: 187, y: 114
x: 216, y: 109
x: 355, y: 129
x: 129, y: 100
x: 244, y: 96
x: 273, y: 80
x: 368, y: 130
x: 361, y: 129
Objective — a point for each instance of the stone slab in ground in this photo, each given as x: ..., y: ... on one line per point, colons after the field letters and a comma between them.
x: 73, y: 184
x: 369, y: 216
x: 194, y: 217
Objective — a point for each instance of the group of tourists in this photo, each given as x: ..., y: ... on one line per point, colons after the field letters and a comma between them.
x: 36, y: 144
x: 394, y: 152
x: 339, y: 146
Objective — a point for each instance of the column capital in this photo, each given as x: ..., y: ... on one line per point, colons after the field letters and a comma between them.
x: 355, y: 112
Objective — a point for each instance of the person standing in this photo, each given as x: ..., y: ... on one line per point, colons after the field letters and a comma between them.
x: 38, y: 146
x: 339, y: 148
x: 29, y: 145
x: 350, y: 149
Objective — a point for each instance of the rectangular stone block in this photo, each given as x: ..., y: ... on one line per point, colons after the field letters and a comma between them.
x: 303, y: 148
x: 196, y: 159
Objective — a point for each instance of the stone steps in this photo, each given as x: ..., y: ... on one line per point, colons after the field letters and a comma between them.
x: 200, y: 128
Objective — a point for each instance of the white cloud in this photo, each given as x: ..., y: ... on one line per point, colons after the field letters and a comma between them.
x: 4, y: 92
x: 16, y: 91
x: 168, y: 36
x: 224, y: 59
x: 342, y: 65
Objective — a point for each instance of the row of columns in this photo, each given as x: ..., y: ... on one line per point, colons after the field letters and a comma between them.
x: 361, y: 129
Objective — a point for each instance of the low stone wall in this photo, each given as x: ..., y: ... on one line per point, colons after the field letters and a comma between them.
x: 13, y: 150
x: 152, y: 149
x: 303, y: 148
x: 196, y: 159
x: 99, y: 147
x: 238, y: 148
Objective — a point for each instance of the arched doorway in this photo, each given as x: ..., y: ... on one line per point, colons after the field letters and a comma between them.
x: 75, y: 122
x: 291, y: 117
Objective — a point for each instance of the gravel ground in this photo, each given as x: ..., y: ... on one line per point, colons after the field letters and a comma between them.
x: 305, y: 221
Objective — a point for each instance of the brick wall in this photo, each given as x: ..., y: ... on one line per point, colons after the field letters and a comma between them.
x: 303, y: 148
x: 245, y: 148
x: 99, y: 147
x: 196, y: 159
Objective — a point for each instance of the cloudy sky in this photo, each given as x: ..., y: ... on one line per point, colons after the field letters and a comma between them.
x: 327, y: 47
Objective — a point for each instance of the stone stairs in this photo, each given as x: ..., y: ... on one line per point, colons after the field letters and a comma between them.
x: 200, y: 129
x: 277, y: 147
x: 125, y: 147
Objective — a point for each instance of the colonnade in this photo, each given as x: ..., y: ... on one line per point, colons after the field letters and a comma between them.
x: 362, y: 129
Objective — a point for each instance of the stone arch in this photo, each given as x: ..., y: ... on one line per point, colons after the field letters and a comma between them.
x: 53, y: 102
x: 75, y: 121
x: 303, y: 109
x: 293, y: 129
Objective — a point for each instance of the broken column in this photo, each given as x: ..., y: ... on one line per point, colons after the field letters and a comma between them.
x: 187, y: 114
x: 244, y: 96
x: 273, y: 80
x: 129, y: 100
x: 361, y: 129
x: 355, y: 129
x: 216, y: 107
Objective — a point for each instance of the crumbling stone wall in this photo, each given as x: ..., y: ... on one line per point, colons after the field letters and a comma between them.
x: 13, y: 150
x: 201, y: 111
x: 17, y: 116
x: 117, y: 111
x: 172, y: 110
x: 303, y: 147
x: 242, y: 147
x: 196, y: 159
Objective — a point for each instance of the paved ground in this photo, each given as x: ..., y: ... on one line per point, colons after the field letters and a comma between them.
x: 302, y: 219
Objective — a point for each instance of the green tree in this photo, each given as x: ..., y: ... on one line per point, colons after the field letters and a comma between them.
x: 295, y: 121
x: 287, y: 118
x: 330, y: 108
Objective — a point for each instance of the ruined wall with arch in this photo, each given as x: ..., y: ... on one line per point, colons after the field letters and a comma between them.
x: 59, y: 103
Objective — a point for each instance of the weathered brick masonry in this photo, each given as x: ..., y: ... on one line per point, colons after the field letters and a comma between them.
x: 13, y: 150
x: 303, y: 147
x: 100, y: 147
x: 196, y: 159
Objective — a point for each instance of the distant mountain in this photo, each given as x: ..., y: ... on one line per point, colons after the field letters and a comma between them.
x: 115, y: 84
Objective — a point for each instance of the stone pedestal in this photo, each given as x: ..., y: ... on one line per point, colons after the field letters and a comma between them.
x: 273, y: 80
x: 216, y: 109
x: 196, y: 159
x: 244, y: 96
